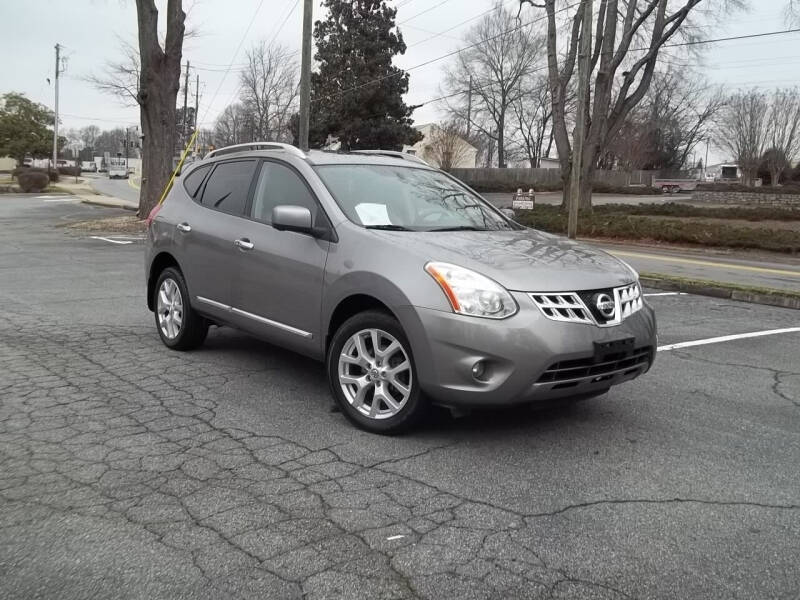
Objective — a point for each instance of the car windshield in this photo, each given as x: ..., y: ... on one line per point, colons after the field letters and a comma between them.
x: 407, y: 199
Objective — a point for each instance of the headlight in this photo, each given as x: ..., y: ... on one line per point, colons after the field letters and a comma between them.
x: 470, y: 293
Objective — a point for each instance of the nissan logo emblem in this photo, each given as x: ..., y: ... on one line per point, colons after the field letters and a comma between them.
x: 605, y: 305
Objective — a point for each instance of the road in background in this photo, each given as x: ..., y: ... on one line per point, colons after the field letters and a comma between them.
x: 119, y: 188
x: 503, y: 200
x: 127, y: 468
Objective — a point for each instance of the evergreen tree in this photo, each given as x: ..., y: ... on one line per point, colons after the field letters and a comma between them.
x: 357, y: 94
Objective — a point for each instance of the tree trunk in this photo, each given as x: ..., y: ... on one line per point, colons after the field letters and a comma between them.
x: 158, y: 91
x: 775, y: 177
x: 501, y: 142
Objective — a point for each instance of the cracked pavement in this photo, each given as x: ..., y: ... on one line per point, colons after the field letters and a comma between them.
x: 130, y: 471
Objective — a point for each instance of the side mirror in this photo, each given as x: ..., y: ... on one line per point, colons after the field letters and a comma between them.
x: 287, y: 217
x: 508, y: 213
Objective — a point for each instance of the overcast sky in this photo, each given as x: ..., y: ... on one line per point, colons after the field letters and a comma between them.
x: 90, y: 30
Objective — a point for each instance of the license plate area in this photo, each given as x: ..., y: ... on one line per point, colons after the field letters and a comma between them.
x: 613, y: 350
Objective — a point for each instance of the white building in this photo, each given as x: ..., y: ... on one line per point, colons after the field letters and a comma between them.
x: 436, y: 142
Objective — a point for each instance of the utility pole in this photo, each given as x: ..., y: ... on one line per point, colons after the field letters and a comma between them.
x: 185, y: 98
x: 55, y: 121
x: 196, y: 108
x: 580, y: 125
x: 305, y: 76
x: 469, y: 106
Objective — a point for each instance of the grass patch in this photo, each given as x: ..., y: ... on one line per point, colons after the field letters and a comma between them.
x: 789, y: 188
x: 620, y: 224
x: 673, y: 209
x: 56, y: 189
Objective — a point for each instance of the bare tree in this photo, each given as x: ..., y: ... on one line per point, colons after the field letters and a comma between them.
x: 783, y: 134
x: 676, y: 114
x: 501, y: 54
x: 234, y: 126
x: 121, y: 78
x: 533, y: 113
x: 89, y: 135
x: 159, y: 82
x: 270, y: 84
x: 445, y: 146
x: 628, y: 36
x: 743, y: 130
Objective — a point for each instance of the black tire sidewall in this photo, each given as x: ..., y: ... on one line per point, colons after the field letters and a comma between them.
x: 415, y: 406
x: 193, y: 328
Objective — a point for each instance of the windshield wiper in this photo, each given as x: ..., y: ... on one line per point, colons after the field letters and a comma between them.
x: 459, y: 228
x: 388, y: 227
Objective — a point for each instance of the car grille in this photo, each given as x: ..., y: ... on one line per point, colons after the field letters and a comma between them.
x: 581, y: 307
x: 569, y: 373
x: 562, y: 307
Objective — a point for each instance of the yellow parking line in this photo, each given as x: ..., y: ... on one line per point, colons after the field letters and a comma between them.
x: 706, y: 263
x: 132, y: 184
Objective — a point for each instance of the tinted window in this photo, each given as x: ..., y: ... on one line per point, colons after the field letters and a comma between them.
x: 228, y: 185
x: 278, y: 184
x: 193, y: 180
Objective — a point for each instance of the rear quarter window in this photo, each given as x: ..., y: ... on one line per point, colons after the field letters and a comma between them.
x: 194, y: 180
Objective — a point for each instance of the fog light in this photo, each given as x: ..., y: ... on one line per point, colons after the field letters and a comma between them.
x: 479, y: 369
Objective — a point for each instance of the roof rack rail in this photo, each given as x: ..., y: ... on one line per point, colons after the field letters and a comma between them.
x: 393, y: 154
x: 257, y: 146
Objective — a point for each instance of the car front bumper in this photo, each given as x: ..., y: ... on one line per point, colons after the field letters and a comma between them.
x: 527, y: 357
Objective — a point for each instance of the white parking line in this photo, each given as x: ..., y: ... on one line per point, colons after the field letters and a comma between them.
x: 57, y: 198
x: 728, y: 338
x: 666, y: 294
x: 97, y: 237
x: 395, y: 537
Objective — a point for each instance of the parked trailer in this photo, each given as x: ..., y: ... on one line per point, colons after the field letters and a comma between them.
x: 672, y: 186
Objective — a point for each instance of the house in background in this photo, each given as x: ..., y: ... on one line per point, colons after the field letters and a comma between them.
x: 443, y: 148
x: 723, y: 172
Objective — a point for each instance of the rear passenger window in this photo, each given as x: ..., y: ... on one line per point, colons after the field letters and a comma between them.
x: 228, y: 185
x: 278, y: 184
x: 193, y: 180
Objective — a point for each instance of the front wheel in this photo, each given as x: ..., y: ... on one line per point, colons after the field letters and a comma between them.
x: 179, y: 326
x: 372, y: 375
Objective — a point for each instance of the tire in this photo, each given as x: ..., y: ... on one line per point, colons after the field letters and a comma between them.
x: 178, y: 325
x: 356, y: 374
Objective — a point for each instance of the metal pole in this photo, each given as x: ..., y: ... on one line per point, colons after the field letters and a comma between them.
x: 196, y: 109
x: 469, y: 106
x: 580, y: 124
x: 305, y: 77
x: 185, y: 98
x: 55, y: 121
x: 127, y: 129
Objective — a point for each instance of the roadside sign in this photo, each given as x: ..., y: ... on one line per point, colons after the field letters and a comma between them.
x: 522, y: 204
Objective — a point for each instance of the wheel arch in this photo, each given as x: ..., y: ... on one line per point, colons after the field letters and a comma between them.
x: 350, y: 306
x: 162, y: 261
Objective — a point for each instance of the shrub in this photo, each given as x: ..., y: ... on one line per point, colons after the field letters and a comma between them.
x: 625, y: 227
x: 32, y: 181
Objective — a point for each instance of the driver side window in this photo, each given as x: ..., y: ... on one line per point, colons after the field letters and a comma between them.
x: 278, y: 184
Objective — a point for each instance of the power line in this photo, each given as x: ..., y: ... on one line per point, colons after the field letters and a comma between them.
x: 427, y: 10
x: 457, y: 25
x: 239, y: 47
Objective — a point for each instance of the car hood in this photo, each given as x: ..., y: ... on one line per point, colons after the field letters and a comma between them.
x: 521, y: 260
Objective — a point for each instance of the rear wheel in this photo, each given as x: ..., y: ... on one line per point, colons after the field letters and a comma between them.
x: 179, y: 326
x: 372, y: 375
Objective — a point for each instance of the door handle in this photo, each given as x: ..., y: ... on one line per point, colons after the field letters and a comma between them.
x: 244, y: 244
x: 184, y: 227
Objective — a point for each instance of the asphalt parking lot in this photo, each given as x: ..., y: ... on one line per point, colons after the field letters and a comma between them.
x: 130, y: 471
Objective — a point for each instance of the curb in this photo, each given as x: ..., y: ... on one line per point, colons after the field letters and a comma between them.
x: 109, y: 202
x: 715, y: 289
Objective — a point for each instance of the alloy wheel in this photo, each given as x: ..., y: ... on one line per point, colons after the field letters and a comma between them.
x: 169, y: 307
x: 375, y: 373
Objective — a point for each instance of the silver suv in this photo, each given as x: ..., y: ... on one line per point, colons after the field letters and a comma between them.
x: 410, y: 286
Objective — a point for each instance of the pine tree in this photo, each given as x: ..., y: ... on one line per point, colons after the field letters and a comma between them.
x: 357, y: 94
